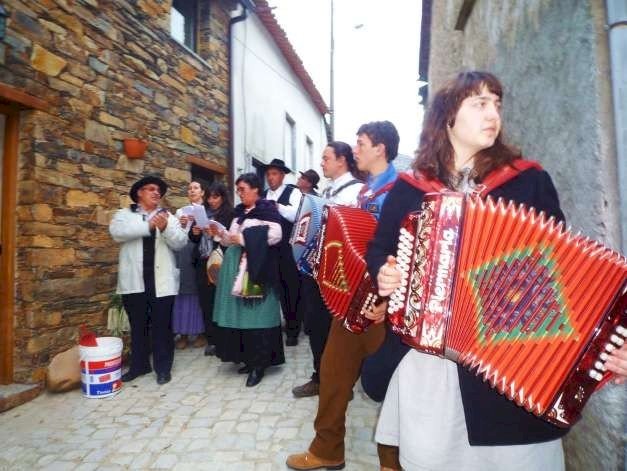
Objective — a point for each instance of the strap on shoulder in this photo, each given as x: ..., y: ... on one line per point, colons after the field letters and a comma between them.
x: 493, y: 180
x: 504, y: 174
x: 420, y: 181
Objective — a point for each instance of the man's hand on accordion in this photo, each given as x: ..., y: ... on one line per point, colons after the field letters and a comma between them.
x: 617, y: 364
x: 377, y: 314
x: 389, y: 277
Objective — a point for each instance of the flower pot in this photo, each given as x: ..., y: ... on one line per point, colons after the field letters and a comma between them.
x: 135, y: 148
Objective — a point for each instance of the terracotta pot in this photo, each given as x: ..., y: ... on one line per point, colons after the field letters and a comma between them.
x: 135, y: 148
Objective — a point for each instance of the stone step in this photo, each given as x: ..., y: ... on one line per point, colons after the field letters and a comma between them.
x: 13, y: 395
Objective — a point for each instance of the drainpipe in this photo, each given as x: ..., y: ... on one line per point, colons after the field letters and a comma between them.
x: 245, y: 5
x: 617, y: 36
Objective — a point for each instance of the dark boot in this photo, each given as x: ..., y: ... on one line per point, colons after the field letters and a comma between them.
x: 254, y: 377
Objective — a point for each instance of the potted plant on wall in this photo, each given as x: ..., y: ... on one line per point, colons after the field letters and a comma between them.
x: 135, y: 147
x: 135, y: 144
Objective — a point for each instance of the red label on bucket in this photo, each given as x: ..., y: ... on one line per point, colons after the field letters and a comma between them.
x: 102, y: 365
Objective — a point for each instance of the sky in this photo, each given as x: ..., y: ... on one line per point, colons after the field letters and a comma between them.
x: 376, y: 60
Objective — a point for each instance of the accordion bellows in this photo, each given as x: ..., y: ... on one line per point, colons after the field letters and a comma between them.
x: 339, y: 265
x: 306, y: 228
x: 510, y: 294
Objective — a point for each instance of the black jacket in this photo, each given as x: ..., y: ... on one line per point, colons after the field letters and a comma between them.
x: 491, y: 419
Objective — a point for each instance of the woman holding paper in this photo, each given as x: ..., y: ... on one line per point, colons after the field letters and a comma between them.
x: 187, y: 316
x: 248, y: 312
x: 220, y: 211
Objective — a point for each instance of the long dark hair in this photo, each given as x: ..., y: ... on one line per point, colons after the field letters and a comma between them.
x: 435, y: 155
x: 342, y: 149
x: 219, y: 189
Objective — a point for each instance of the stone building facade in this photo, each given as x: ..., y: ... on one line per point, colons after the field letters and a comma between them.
x: 77, y: 78
x: 554, y: 61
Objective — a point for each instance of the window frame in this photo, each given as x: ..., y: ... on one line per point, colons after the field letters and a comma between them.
x: 190, y: 11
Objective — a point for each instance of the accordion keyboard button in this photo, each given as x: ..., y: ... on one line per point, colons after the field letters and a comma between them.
x: 604, y: 356
x: 595, y: 375
x: 609, y: 347
x: 621, y: 330
x: 616, y: 340
x: 599, y: 366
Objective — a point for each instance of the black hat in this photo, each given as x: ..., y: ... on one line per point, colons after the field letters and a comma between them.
x: 150, y: 179
x: 277, y: 163
x: 312, y: 177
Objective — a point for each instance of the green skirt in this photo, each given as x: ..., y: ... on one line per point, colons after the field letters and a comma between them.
x: 239, y: 313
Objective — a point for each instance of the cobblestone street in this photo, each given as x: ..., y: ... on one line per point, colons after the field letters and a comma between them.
x: 204, y: 419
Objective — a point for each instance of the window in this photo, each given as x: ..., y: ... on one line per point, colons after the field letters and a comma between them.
x: 184, y: 22
x: 202, y: 175
x: 260, y: 169
x: 289, y: 143
x: 309, y: 151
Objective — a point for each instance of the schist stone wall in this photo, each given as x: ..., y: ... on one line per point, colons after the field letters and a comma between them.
x: 109, y: 70
x: 552, y: 57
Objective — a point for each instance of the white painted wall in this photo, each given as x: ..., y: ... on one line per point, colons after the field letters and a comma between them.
x: 264, y: 90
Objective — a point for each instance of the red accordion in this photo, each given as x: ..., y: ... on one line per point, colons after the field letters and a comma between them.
x: 339, y: 266
x: 508, y: 293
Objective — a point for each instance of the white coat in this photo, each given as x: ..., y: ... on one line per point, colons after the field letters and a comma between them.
x: 128, y: 228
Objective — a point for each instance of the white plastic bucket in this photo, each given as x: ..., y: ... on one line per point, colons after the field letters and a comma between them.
x: 101, y: 367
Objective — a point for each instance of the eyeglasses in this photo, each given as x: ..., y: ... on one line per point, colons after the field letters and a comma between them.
x: 150, y: 189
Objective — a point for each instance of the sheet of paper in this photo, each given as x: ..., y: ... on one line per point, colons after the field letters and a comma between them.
x: 187, y: 210
x: 200, y: 216
x: 218, y: 226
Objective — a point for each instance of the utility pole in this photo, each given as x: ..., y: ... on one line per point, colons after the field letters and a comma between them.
x: 332, y: 81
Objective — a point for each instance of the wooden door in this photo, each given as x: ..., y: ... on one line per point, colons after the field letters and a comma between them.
x: 8, y: 159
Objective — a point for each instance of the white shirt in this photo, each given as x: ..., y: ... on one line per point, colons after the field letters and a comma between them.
x: 347, y: 196
x: 423, y: 415
x: 288, y: 212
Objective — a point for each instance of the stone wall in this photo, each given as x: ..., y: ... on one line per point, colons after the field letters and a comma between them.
x: 109, y: 70
x: 552, y: 58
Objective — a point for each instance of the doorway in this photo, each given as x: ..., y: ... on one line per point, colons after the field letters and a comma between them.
x: 202, y: 175
x: 9, y: 135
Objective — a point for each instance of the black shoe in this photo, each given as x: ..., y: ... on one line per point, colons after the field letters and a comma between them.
x: 163, y: 378
x: 244, y: 370
x: 210, y: 350
x: 131, y: 375
x: 291, y: 341
x: 254, y: 377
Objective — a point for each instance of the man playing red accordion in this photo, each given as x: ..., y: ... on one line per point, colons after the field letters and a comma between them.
x: 338, y: 164
x: 344, y: 352
x: 440, y: 415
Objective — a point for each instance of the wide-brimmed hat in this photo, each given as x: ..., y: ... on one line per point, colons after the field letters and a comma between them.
x: 312, y: 177
x: 277, y: 163
x: 148, y: 180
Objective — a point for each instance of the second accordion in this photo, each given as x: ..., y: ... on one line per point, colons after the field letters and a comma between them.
x: 339, y: 265
x: 508, y: 293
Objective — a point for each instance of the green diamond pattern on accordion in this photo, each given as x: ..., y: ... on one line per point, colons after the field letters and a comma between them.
x: 525, y: 303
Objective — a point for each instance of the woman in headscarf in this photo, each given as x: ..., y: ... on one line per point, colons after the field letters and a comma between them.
x: 248, y: 310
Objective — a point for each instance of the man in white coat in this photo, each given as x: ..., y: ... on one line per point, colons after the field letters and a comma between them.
x: 148, y: 278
